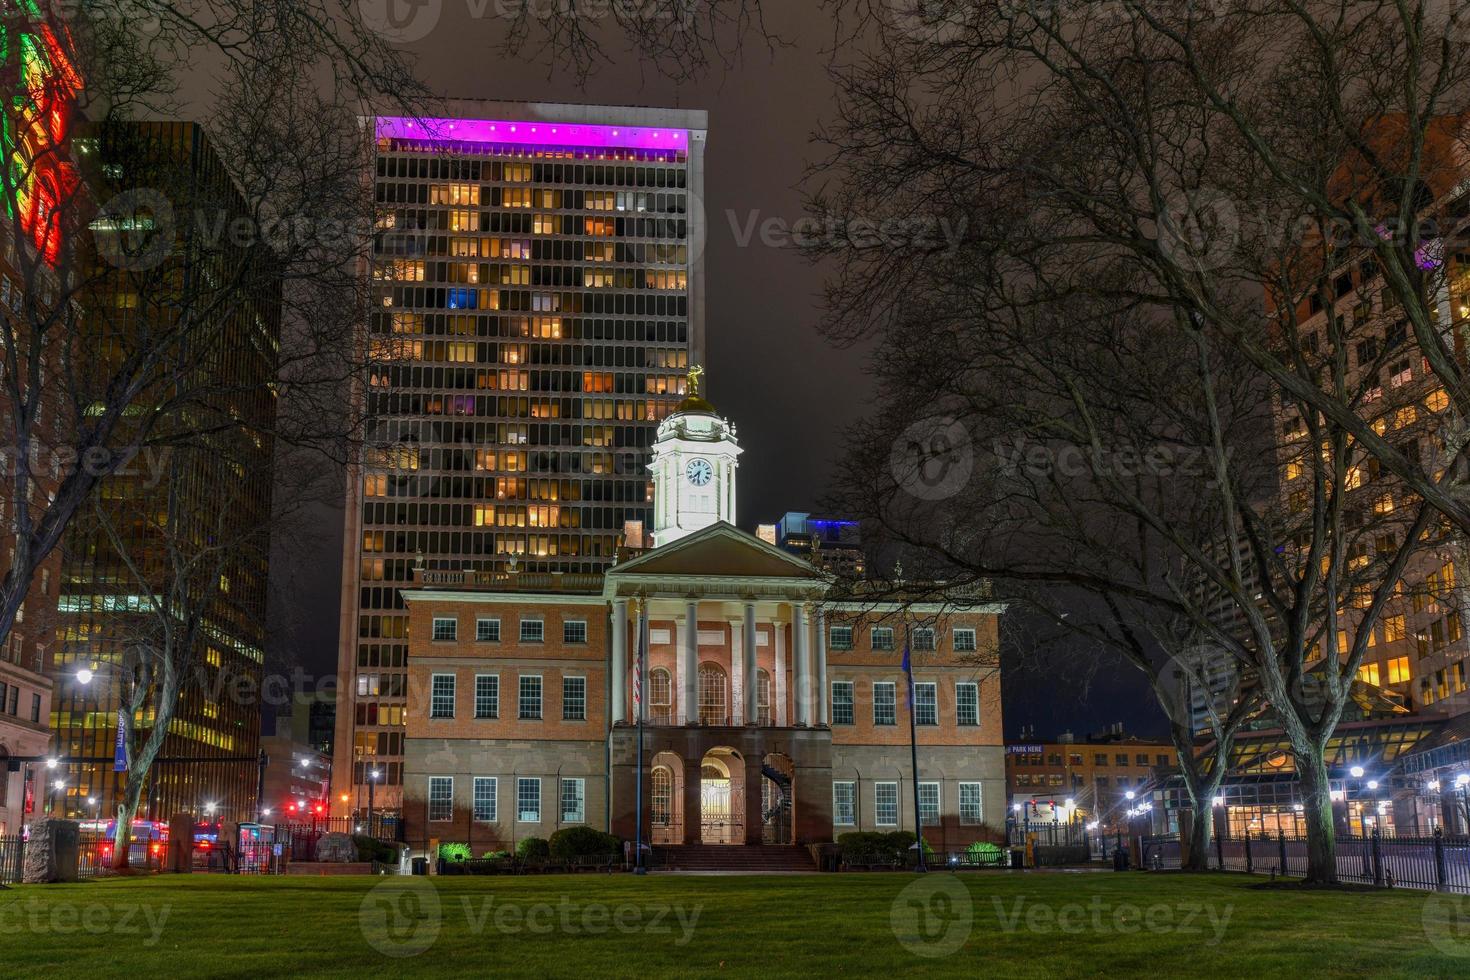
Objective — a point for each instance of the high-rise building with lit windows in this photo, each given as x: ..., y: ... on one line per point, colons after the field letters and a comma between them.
x: 537, y: 301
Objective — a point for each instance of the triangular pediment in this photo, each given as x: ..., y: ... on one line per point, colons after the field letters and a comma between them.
x: 719, y: 550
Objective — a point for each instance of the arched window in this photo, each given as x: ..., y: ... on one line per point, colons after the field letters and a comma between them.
x: 660, y: 696
x: 712, y: 695
x: 662, y: 795
x: 763, y: 697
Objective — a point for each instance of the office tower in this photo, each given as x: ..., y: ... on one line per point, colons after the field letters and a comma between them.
x: 538, y: 298
x: 202, y: 495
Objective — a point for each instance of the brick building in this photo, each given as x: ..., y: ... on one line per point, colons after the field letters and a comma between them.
x: 773, y: 710
x: 1096, y: 773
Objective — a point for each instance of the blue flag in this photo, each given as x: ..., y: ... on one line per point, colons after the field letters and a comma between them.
x: 907, y: 667
x: 120, y: 746
x: 908, y: 671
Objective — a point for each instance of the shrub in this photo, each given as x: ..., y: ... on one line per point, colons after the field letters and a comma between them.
x: 575, y: 842
x: 372, y: 849
x: 454, y: 852
x: 533, y: 847
x: 871, y: 847
x: 495, y: 855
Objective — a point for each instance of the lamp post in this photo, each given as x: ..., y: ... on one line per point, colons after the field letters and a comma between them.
x: 372, y: 782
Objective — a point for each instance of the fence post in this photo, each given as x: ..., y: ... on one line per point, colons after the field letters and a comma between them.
x: 1220, y: 852
x: 1441, y: 871
x: 1281, y: 844
x: 1249, y: 864
x: 1377, y: 858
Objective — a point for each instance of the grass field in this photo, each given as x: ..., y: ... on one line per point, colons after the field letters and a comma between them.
x: 990, y: 923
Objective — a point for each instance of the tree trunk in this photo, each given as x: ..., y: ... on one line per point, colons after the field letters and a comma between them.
x: 1199, y: 841
x: 1317, y: 809
x: 122, y: 837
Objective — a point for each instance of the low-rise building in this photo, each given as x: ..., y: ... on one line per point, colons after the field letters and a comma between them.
x: 1097, y: 773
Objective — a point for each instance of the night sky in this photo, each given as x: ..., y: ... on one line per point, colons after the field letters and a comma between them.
x: 789, y: 393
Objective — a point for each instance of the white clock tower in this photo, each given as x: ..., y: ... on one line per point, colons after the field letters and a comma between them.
x: 694, y: 461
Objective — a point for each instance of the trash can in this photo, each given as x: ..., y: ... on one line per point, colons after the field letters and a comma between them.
x: 1018, y: 859
x: 421, y: 866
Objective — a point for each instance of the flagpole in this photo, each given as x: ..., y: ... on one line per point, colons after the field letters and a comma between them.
x: 908, y: 669
x: 638, y: 695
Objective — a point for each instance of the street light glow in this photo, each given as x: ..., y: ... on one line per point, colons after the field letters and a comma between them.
x: 1372, y: 784
x: 84, y: 676
x: 1357, y: 772
x: 1219, y: 801
x: 52, y: 763
x: 1129, y: 794
x: 1462, y: 779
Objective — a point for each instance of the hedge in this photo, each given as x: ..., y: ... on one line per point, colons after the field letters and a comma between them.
x: 576, y: 842
x: 533, y: 847
x: 871, y: 847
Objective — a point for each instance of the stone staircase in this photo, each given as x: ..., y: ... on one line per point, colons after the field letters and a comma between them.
x: 734, y: 857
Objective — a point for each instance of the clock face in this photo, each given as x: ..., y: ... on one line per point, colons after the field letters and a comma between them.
x: 699, y: 472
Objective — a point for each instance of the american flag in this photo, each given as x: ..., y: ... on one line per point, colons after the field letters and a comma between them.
x: 638, y: 676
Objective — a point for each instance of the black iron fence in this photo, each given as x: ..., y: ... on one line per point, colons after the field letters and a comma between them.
x: 1435, y: 863
x: 12, y: 860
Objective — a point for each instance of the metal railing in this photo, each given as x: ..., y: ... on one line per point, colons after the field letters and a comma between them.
x: 12, y: 860
x: 1434, y: 863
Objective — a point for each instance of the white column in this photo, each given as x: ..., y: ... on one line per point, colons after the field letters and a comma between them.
x: 801, y: 662
x: 752, y: 677
x: 778, y: 682
x: 619, y: 668
x: 823, y: 689
x: 737, y: 674
x: 691, y: 660
x: 681, y: 703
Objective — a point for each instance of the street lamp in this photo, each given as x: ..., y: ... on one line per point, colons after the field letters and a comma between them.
x: 1357, y: 772
x: 373, y: 775
x: 84, y: 676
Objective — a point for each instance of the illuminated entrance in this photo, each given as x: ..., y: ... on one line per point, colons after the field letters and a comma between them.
x: 721, y: 797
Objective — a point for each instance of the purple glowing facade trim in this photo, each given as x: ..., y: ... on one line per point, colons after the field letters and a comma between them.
x: 533, y: 135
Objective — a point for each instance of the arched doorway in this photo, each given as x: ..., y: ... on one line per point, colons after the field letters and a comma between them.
x: 666, y: 799
x: 722, y: 797
x: 778, y: 776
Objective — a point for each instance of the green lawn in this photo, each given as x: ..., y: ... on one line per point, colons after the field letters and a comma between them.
x: 979, y: 924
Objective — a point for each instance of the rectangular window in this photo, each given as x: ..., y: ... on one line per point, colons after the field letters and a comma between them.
x: 487, y: 631
x: 844, y: 812
x: 530, y: 701
x: 574, y: 699
x: 929, y: 804
x: 972, y: 811
x: 882, y: 637
x: 485, y: 799
x: 964, y: 641
x: 533, y: 631
x: 573, y: 800
x: 441, y: 696
x: 926, y: 704
x: 967, y: 704
x: 923, y: 638
x: 884, y: 710
x: 446, y: 628
x: 574, y: 631
x: 487, y: 696
x: 441, y: 797
x: 839, y: 638
x: 885, y: 804
x: 528, y: 798
x: 35, y: 707
x: 842, y: 708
